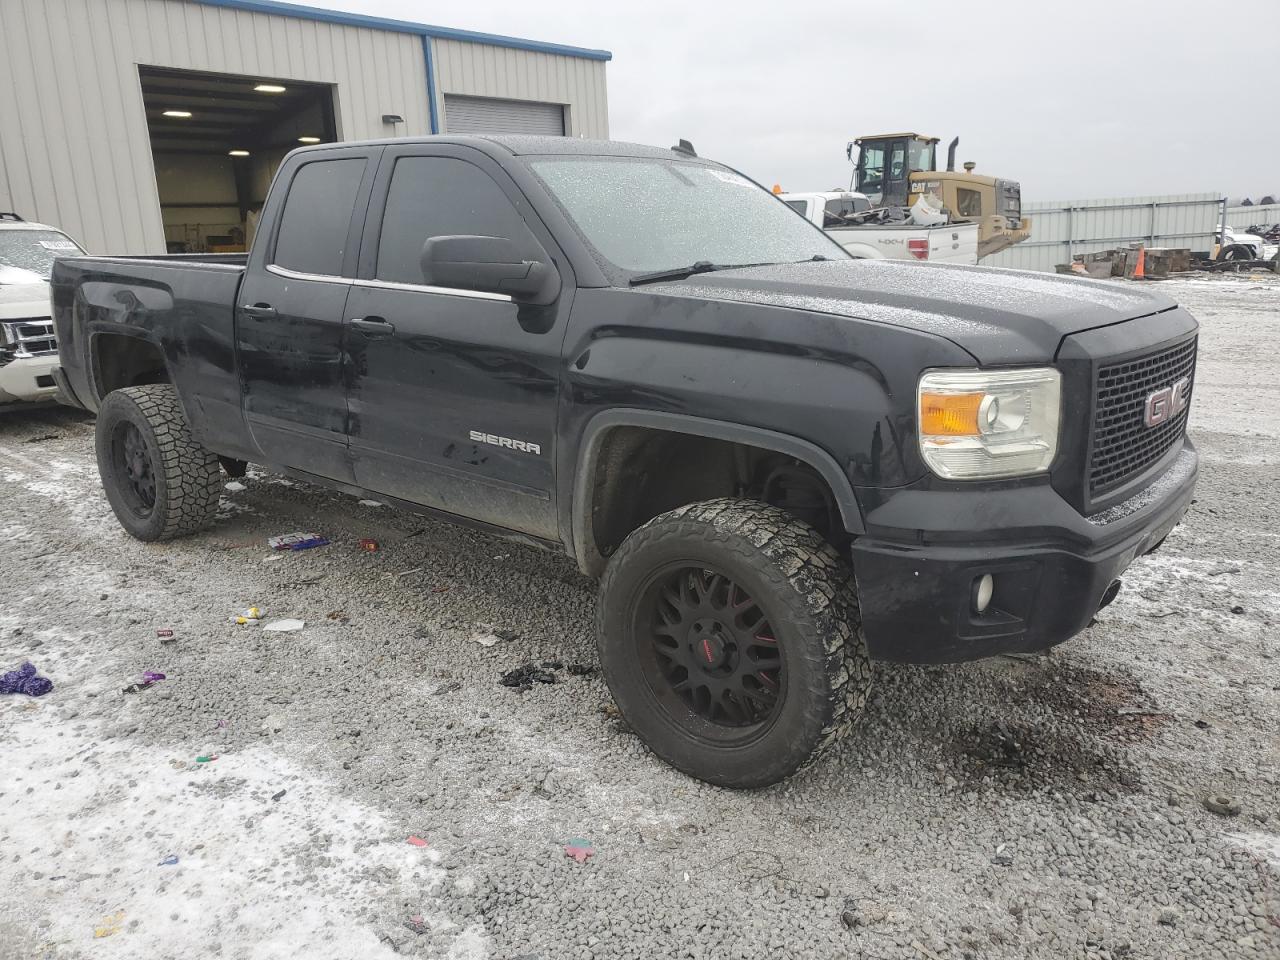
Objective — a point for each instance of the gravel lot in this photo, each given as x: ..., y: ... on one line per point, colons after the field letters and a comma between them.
x: 1030, y: 807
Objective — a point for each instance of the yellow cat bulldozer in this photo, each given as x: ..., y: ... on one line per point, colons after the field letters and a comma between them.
x: 896, y: 169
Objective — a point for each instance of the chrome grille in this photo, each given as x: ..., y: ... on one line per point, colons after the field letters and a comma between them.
x: 30, y: 337
x: 1123, y: 445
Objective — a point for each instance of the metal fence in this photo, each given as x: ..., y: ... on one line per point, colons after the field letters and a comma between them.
x: 1253, y: 216
x: 1060, y: 230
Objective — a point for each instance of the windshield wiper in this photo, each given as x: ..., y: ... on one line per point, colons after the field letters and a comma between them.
x: 679, y: 273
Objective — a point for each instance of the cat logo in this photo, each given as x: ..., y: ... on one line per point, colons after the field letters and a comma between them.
x: 479, y: 436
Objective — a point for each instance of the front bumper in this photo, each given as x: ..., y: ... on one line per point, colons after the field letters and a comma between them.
x: 28, y: 379
x: 1052, y: 567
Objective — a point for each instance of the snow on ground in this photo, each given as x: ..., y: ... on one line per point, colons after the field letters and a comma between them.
x: 91, y: 819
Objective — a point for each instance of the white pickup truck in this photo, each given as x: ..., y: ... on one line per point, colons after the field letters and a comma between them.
x: 947, y: 243
x: 28, y: 350
x: 1258, y: 248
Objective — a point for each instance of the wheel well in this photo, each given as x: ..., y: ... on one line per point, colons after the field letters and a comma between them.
x: 638, y: 473
x: 125, y: 361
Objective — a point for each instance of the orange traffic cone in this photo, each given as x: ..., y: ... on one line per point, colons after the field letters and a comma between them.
x: 1140, y: 271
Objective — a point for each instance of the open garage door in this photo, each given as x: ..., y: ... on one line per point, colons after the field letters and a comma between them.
x: 483, y: 115
x: 216, y: 140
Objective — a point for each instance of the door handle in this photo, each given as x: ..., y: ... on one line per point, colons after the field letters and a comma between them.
x: 373, y: 326
x: 259, y: 311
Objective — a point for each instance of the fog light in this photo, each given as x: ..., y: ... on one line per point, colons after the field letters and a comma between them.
x: 983, y: 587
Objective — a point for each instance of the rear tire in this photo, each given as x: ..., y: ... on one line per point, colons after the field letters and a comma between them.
x: 729, y: 635
x: 1235, y: 252
x: 159, y: 481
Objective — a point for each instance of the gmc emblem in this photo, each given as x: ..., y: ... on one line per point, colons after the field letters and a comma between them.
x: 1166, y: 403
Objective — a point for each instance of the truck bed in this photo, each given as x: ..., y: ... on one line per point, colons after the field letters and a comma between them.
x: 181, y: 304
x: 948, y: 242
x: 221, y: 259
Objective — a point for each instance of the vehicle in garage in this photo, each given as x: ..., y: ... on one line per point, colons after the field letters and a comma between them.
x: 28, y: 349
x: 780, y: 460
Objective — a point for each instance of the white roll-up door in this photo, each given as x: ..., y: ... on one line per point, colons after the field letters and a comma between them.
x: 485, y: 115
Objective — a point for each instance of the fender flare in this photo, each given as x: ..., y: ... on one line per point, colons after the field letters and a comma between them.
x: 93, y: 358
x: 592, y: 563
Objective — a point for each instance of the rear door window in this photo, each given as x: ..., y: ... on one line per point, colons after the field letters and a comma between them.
x: 441, y: 197
x: 316, y: 221
x: 844, y: 206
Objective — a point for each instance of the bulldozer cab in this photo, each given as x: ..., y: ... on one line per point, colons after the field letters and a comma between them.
x: 885, y: 163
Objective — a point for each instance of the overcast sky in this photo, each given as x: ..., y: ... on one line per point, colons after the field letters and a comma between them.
x: 1077, y: 100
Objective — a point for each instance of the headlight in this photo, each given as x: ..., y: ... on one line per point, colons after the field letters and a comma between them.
x: 980, y: 424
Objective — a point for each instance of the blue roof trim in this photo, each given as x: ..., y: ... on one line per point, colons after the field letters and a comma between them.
x: 404, y: 26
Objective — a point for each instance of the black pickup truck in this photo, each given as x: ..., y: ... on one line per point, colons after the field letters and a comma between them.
x: 780, y: 461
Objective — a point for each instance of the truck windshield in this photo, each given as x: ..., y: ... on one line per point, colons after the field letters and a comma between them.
x: 642, y: 214
x: 35, y: 250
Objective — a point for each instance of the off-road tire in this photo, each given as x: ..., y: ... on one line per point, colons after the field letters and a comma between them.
x: 187, y: 480
x: 802, y: 585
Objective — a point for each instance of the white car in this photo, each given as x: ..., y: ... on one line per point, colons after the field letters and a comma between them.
x: 946, y: 243
x: 28, y: 350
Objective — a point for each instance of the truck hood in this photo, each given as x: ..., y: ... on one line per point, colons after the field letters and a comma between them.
x: 21, y: 300
x: 17, y: 276
x: 998, y: 316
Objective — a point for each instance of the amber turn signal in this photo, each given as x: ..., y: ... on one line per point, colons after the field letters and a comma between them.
x: 950, y: 414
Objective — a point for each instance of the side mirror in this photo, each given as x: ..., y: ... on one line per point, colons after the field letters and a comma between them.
x: 489, y: 265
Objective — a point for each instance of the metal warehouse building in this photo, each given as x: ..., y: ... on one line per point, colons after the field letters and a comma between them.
x: 140, y: 126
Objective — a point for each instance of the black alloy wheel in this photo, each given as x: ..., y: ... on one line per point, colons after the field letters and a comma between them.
x: 135, y: 470
x: 710, y: 654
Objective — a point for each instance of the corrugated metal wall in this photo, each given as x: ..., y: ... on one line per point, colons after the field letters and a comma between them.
x: 1253, y: 216
x: 1060, y: 230
x: 74, y: 146
x: 476, y: 70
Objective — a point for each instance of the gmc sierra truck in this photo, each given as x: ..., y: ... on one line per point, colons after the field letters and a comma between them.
x: 780, y: 461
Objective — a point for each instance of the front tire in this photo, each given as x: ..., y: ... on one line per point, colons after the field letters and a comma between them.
x: 159, y: 481
x: 729, y: 636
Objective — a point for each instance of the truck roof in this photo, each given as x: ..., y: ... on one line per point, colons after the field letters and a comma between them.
x: 526, y: 145
x: 26, y: 225
x: 823, y: 195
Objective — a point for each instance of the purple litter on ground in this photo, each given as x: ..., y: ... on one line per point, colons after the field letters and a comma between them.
x: 24, y: 680
x: 150, y: 676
